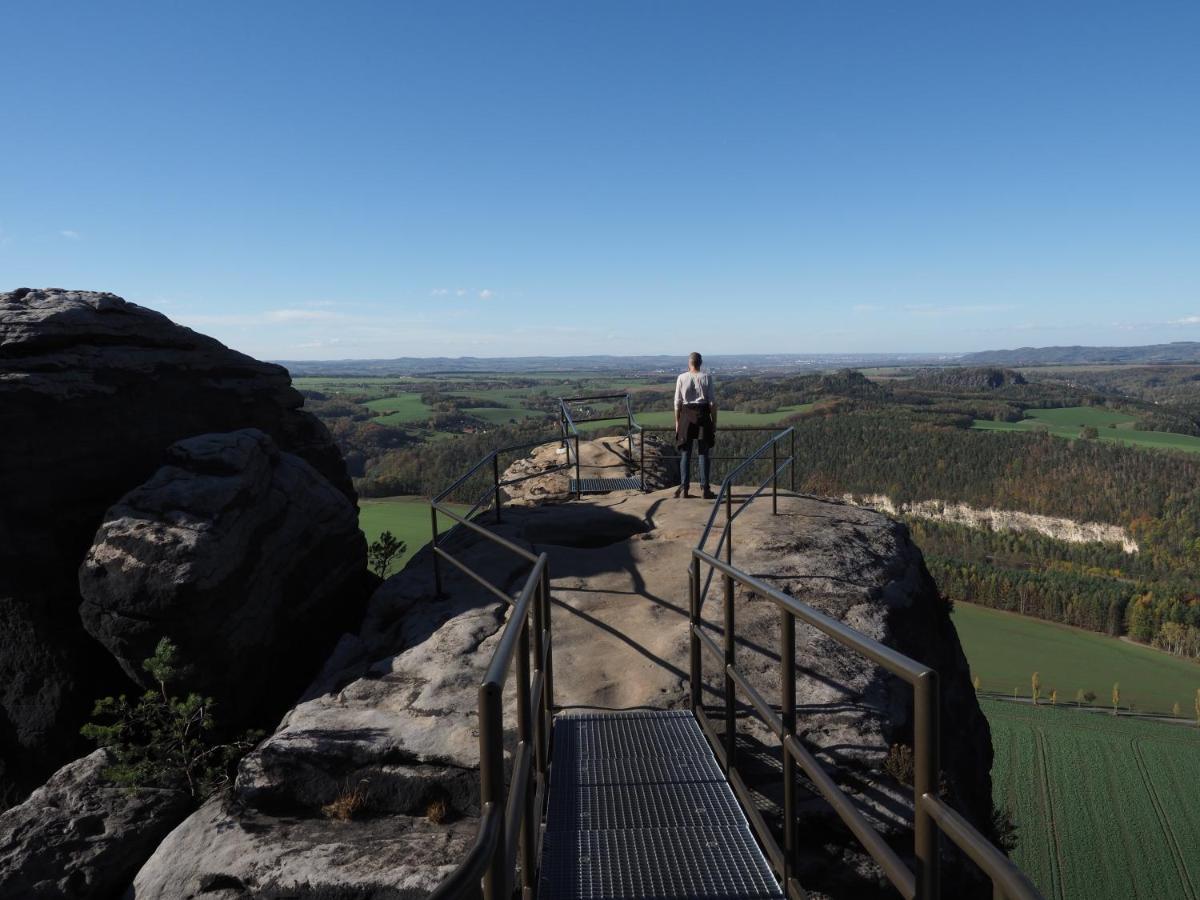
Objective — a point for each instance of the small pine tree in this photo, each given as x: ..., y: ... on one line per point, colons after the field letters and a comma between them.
x: 384, y: 552
x: 1089, y: 697
x: 1116, y: 696
x: 1036, y: 683
x: 163, y: 741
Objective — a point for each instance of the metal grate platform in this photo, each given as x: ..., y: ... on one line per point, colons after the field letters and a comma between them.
x: 604, y: 485
x: 640, y: 809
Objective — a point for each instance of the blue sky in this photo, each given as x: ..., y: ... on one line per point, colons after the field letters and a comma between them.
x: 336, y: 180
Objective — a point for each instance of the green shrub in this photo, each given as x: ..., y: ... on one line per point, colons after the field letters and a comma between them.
x: 165, y: 741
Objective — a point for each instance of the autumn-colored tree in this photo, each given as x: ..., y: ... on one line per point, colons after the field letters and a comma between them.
x: 1079, y: 697
x: 1054, y: 696
x: 978, y: 682
x: 1036, y: 682
x: 1116, y: 696
x: 1175, y: 710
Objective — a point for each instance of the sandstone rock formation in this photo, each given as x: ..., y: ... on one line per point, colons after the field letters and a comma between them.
x: 395, y: 708
x: 92, y: 391
x: 606, y: 457
x: 78, y: 836
x: 1061, y: 529
x: 245, y: 557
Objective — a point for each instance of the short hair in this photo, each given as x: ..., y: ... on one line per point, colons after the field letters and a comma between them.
x: 695, y: 359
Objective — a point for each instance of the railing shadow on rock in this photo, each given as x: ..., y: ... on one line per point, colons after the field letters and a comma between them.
x: 510, y: 812
x: 932, y: 815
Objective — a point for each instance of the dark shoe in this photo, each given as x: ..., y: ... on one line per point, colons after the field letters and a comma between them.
x: 682, y: 491
x: 708, y: 494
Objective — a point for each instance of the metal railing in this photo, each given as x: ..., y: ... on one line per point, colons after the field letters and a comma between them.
x: 510, y: 814
x: 570, y: 430
x: 492, y: 494
x: 736, y: 430
x: 931, y: 815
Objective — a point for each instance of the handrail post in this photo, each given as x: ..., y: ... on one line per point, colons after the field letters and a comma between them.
x: 925, y: 781
x: 642, y: 450
x: 437, y: 569
x: 730, y: 658
x: 491, y: 786
x: 787, y: 656
x: 793, y: 465
x: 549, y: 671
x: 496, y: 481
x: 774, y: 478
x: 578, y: 476
x: 694, y: 639
x: 525, y: 736
x: 541, y: 724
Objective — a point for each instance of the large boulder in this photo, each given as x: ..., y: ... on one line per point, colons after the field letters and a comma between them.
x: 78, y: 836
x: 395, y: 707
x: 245, y: 557
x: 92, y: 391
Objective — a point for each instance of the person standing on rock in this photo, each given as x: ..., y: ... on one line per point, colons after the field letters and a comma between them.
x: 695, y: 420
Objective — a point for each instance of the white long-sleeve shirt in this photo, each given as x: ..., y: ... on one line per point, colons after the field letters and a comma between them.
x: 693, y: 388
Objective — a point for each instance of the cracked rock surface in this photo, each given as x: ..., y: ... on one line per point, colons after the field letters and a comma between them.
x: 394, y: 709
x: 244, y: 556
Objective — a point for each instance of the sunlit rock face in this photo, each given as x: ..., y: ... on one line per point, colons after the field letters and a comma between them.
x: 394, y: 710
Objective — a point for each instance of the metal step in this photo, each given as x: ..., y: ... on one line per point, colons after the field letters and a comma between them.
x: 604, y: 485
x: 640, y: 808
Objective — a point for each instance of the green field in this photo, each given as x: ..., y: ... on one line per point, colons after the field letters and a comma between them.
x: 1112, y: 426
x: 502, y: 415
x: 665, y: 418
x: 1005, y: 649
x: 400, y: 409
x: 405, y: 517
x: 1104, y: 807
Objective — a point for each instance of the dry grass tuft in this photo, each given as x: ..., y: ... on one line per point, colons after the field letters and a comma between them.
x: 349, y: 803
x: 899, y: 763
x: 438, y: 811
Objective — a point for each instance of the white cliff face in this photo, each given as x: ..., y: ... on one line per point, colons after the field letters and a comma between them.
x: 1001, y: 520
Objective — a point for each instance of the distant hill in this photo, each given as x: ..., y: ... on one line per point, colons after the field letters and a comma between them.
x: 1178, y: 352
x: 751, y: 363
x: 966, y: 379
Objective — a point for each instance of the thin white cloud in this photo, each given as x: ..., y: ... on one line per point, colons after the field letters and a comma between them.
x: 866, y: 307
x: 70, y: 235
x: 461, y: 292
x: 299, y: 315
x: 1187, y: 320
x: 270, y: 317
x: 486, y: 294
x: 930, y: 310
x: 439, y: 292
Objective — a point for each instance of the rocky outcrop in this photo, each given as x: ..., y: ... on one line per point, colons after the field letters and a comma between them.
x: 250, y: 856
x: 395, y: 708
x: 541, y: 478
x: 1067, y: 530
x: 78, y: 836
x: 92, y: 391
x: 244, y: 556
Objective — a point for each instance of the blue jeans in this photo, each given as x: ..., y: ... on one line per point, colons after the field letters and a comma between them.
x: 685, y: 465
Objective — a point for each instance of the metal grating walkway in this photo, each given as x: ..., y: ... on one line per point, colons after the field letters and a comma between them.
x: 640, y: 809
x: 603, y: 485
